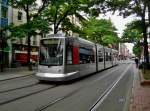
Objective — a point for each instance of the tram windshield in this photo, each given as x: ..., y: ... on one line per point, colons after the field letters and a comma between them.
x: 51, y: 52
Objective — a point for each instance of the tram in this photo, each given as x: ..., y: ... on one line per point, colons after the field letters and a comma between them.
x: 65, y: 58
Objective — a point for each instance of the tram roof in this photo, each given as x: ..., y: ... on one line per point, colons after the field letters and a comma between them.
x: 85, y: 41
x: 63, y: 36
x: 55, y: 36
x: 81, y: 40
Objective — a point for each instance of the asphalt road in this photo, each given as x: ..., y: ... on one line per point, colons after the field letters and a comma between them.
x: 109, y: 90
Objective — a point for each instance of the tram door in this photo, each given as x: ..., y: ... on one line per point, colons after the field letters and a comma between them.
x: 72, y: 56
x: 87, y: 58
x: 100, y: 57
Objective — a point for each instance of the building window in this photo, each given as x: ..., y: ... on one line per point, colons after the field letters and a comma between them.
x: 4, y: 12
x: 69, y: 54
x: 20, y: 15
x: 34, y: 41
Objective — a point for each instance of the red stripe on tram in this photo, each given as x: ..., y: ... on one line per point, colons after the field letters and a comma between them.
x: 75, y: 55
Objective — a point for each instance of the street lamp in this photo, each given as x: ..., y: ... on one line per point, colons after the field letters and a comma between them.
x: 3, y: 44
x: 1, y: 50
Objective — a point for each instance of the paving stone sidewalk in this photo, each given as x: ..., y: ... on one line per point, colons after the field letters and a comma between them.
x: 140, y: 100
x: 10, y: 73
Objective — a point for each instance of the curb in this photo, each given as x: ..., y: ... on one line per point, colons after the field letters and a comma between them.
x: 143, y: 82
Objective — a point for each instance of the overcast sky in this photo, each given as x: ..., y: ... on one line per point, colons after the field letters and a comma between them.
x: 120, y: 23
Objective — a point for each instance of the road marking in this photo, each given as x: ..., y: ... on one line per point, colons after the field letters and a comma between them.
x: 107, y: 92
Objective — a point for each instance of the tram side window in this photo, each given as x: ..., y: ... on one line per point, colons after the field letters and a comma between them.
x: 107, y: 57
x: 86, y: 56
x: 100, y: 56
x: 110, y: 57
x: 69, y: 55
x: 113, y: 57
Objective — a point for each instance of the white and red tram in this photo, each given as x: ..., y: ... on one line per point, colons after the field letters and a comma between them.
x: 65, y: 58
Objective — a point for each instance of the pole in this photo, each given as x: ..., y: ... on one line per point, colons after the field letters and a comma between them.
x: 2, y: 53
x: 29, y: 40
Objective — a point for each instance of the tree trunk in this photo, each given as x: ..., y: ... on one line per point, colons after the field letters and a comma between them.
x: 55, y: 30
x: 2, y: 52
x: 29, y: 41
x: 146, y: 55
x: 149, y: 19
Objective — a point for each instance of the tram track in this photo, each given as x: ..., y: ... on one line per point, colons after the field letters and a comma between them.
x: 107, y: 92
x: 5, y: 81
x: 49, y: 89
x: 5, y: 91
x: 70, y: 94
x: 57, y: 100
x: 17, y: 77
x: 18, y: 83
x: 6, y: 97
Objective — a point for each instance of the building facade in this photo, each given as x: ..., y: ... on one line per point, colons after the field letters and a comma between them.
x: 20, y: 45
x: 123, y: 52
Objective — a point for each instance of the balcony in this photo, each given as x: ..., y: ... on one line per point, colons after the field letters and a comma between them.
x: 4, y: 22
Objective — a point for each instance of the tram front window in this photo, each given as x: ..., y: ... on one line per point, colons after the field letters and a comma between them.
x: 51, y: 52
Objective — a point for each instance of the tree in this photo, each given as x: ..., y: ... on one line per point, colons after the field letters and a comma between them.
x: 32, y: 10
x: 37, y: 27
x: 137, y: 50
x: 100, y: 31
x: 132, y: 7
x: 133, y: 32
x: 59, y: 13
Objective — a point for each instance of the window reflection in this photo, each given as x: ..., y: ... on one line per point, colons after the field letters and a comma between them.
x: 51, y: 52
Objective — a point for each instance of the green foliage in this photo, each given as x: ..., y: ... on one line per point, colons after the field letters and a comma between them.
x: 126, y: 7
x: 137, y: 8
x: 133, y: 32
x: 37, y: 26
x: 101, y: 31
x: 34, y: 21
x: 58, y: 12
x: 18, y: 31
x: 137, y: 50
x: 68, y: 26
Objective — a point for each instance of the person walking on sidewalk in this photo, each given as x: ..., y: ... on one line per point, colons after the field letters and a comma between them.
x: 137, y: 62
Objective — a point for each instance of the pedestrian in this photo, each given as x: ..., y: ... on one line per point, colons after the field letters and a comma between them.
x: 137, y: 62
